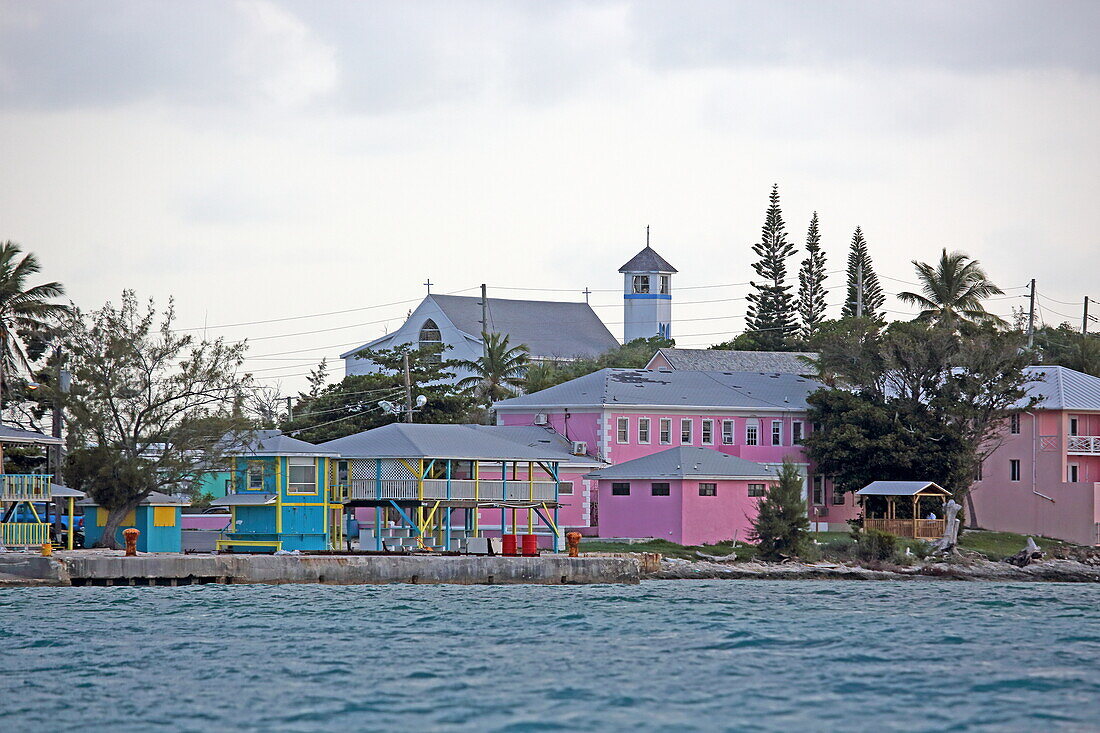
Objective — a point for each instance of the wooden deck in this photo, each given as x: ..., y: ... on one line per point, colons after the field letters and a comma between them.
x: 923, y: 529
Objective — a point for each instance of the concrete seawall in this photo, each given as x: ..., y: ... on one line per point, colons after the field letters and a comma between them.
x: 168, y: 569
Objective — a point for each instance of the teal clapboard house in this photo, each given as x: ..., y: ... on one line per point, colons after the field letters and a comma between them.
x: 157, y: 518
x: 280, y: 498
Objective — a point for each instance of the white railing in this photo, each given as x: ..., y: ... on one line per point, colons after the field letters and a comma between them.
x: 1083, y: 444
x: 483, y: 490
x: 25, y: 487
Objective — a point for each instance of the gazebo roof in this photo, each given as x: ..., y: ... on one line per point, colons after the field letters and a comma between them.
x: 902, y: 488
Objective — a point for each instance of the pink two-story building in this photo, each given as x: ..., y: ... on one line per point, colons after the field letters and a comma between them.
x: 1044, y: 477
x: 624, y: 414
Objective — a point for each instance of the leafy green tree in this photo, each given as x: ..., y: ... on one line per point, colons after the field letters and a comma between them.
x: 1064, y: 345
x: 952, y: 291
x: 916, y: 401
x: 351, y: 405
x: 811, y: 282
x: 148, y: 407
x: 780, y: 528
x: 28, y: 318
x: 771, y: 311
x: 859, y: 258
x: 498, y: 373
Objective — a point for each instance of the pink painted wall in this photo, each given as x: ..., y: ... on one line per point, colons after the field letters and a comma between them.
x: 683, y: 517
x: 1072, y: 510
x: 204, y: 521
x: 600, y: 431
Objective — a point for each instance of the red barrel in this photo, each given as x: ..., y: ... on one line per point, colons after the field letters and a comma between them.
x: 530, y: 545
x: 509, y: 544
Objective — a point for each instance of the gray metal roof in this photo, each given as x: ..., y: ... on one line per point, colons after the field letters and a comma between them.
x: 252, y: 498
x: 274, y: 443
x: 155, y: 498
x: 644, y: 387
x: 1061, y: 388
x: 57, y: 491
x: 718, y: 360
x: 10, y: 434
x: 547, y: 328
x: 899, y: 488
x: 685, y: 462
x: 462, y: 442
x: 541, y: 437
x: 647, y: 261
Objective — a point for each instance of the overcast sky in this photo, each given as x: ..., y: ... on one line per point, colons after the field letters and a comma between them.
x: 262, y: 160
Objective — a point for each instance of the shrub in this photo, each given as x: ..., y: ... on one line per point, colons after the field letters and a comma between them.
x: 780, y: 529
x: 876, y: 545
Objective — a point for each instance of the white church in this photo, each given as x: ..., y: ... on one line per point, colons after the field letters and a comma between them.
x: 551, y: 330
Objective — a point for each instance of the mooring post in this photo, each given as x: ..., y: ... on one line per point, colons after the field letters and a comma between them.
x: 131, y: 536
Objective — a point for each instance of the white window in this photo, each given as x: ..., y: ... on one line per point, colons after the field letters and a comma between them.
x: 1073, y: 426
x: 796, y: 433
x: 664, y: 285
x: 643, y: 430
x: 708, y: 432
x: 666, y: 431
x: 1014, y: 424
x: 641, y: 283
x: 623, y: 432
x: 256, y: 476
x: 685, y: 431
x: 431, y: 341
x: 756, y: 490
x: 777, y: 432
x: 727, y: 432
x: 1073, y: 473
x: 819, y: 491
x: 752, y: 433
x: 1014, y: 469
x: 302, y: 476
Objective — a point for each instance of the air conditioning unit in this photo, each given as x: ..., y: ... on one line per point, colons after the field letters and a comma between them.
x: 579, y: 448
x: 540, y: 419
x: 821, y: 511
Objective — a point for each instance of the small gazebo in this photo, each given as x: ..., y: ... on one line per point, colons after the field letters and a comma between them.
x: 882, y: 500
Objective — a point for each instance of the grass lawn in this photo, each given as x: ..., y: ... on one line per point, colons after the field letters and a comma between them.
x: 999, y: 545
x: 994, y: 545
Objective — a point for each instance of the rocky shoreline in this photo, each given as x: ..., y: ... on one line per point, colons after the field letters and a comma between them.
x: 1051, y: 571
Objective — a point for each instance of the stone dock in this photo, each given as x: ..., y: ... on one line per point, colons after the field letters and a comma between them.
x: 113, y: 568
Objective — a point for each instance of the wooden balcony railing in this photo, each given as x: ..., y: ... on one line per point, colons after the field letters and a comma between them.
x: 1083, y: 444
x: 923, y: 529
x: 25, y: 487
x: 466, y: 489
x: 24, y: 534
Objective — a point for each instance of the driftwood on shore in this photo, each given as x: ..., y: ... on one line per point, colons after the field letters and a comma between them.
x: 946, y: 544
x: 1026, y: 556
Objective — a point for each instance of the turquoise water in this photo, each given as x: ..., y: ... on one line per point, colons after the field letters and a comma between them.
x: 670, y: 655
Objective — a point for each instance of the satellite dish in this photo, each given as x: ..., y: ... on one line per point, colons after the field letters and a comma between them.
x: 421, y: 401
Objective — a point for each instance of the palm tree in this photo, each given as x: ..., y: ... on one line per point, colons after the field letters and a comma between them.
x: 496, y: 374
x: 953, y: 291
x: 25, y: 312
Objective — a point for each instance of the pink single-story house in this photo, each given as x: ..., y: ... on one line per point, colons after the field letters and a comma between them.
x: 688, y: 495
x: 619, y: 415
x: 1044, y: 477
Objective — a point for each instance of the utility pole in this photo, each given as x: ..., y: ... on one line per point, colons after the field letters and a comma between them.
x: 1031, y: 316
x: 1085, y: 318
x: 484, y: 320
x: 59, y: 388
x: 408, y: 392
x: 289, y: 410
x: 859, y: 291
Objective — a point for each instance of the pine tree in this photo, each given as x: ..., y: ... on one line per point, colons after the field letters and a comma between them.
x: 771, y: 312
x: 780, y: 527
x: 811, y: 282
x: 873, y: 299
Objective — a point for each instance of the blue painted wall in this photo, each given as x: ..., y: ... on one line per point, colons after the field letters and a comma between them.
x: 151, y: 539
x: 303, y: 522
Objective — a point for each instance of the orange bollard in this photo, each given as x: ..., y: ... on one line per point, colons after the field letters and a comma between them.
x: 47, y: 549
x: 573, y: 543
x: 131, y: 536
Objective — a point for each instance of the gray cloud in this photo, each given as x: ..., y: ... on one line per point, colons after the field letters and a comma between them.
x: 978, y: 35
x: 399, y: 56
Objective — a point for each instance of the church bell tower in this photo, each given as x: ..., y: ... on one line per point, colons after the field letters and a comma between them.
x: 647, y: 295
